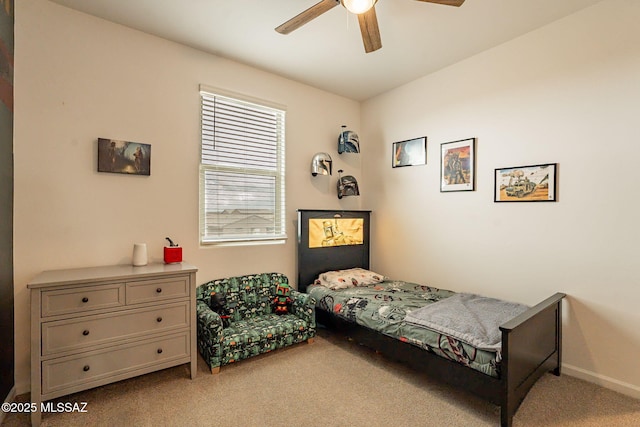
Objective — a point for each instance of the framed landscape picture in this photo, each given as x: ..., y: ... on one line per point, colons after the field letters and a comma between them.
x: 457, y: 165
x: 536, y: 183
x: 124, y: 157
x: 411, y: 152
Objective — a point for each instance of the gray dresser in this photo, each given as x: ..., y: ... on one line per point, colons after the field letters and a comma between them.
x: 94, y: 326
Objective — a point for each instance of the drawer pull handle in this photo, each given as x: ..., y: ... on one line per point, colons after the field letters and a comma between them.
x: 159, y: 319
x: 85, y: 299
x: 159, y: 351
x: 86, y: 368
x: 85, y: 332
x: 159, y: 290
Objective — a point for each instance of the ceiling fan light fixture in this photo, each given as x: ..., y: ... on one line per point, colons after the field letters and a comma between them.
x: 358, y: 6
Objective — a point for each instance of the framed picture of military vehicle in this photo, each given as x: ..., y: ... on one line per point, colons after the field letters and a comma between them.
x: 536, y: 183
x: 457, y: 165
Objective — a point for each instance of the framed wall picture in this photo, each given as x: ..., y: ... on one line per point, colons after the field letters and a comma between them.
x: 457, y: 165
x: 411, y: 152
x: 335, y: 231
x: 535, y: 183
x: 124, y: 157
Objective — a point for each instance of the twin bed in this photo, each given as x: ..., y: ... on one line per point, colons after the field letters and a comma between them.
x: 497, y: 358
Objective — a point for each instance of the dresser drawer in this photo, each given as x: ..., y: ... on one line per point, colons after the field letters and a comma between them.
x: 157, y: 290
x: 73, y: 300
x: 87, y: 368
x: 83, y: 332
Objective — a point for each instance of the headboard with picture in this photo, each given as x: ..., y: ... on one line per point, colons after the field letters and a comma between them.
x: 331, y: 240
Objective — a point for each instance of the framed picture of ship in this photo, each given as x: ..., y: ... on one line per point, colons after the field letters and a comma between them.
x: 536, y: 183
x: 411, y: 152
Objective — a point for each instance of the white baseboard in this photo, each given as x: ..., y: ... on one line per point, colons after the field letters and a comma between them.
x: 8, y: 399
x: 601, y: 380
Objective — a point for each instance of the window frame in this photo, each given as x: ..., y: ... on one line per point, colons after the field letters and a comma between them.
x: 279, y: 233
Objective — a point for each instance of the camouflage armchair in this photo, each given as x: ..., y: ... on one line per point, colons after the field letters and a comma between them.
x: 244, y: 323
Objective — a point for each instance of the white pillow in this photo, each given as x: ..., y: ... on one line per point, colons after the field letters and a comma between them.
x: 342, y: 279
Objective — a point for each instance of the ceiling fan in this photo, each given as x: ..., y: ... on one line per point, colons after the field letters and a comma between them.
x: 365, y: 9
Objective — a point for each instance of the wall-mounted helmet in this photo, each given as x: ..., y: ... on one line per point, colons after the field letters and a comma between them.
x: 347, y: 186
x: 321, y: 164
x: 348, y: 141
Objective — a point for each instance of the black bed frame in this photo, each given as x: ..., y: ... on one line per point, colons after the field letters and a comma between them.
x: 531, y: 342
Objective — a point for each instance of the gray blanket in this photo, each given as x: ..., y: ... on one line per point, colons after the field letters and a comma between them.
x: 470, y: 318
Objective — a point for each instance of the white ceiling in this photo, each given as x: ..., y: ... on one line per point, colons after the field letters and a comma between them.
x: 418, y: 38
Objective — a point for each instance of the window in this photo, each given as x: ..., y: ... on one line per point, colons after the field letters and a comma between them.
x: 242, y: 195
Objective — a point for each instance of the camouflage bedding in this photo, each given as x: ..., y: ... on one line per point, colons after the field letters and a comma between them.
x: 383, y: 306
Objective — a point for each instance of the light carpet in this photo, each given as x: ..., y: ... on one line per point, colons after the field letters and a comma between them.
x: 331, y: 382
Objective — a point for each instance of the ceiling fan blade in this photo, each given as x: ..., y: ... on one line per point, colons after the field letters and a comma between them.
x: 370, y: 32
x: 306, y: 16
x: 456, y: 3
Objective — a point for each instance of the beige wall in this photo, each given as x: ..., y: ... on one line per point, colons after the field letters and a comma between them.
x: 567, y: 93
x: 79, y: 78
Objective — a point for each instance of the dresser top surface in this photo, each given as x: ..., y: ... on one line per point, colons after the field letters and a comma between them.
x: 111, y: 272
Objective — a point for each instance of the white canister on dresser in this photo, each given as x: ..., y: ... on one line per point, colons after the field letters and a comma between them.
x: 140, y: 254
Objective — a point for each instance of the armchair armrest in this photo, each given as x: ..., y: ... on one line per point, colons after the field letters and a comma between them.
x: 304, y: 306
x: 209, y: 335
x: 209, y: 322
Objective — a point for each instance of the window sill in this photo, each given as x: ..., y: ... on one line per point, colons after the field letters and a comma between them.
x: 207, y: 245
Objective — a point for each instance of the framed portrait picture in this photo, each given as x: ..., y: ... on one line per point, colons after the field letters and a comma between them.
x: 124, y: 157
x: 535, y: 183
x: 457, y: 165
x: 411, y: 152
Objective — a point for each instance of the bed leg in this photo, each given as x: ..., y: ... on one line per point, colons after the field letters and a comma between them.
x: 508, y: 409
x: 215, y: 370
x: 506, y: 419
x: 556, y: 370
x: 310, y: 340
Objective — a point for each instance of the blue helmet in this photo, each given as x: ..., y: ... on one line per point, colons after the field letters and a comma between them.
x: 348, y: 141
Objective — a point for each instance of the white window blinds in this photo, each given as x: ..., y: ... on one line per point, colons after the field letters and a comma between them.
x: 242, y: 195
